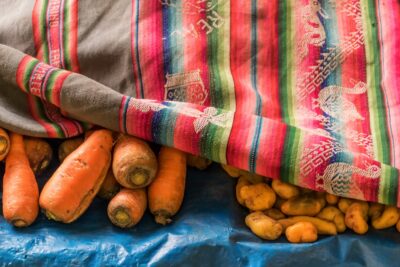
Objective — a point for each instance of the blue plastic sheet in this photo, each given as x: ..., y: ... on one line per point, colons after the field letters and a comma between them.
x: 208, y: 231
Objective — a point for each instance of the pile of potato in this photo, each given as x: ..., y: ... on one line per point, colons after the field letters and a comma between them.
x: 278, y: 208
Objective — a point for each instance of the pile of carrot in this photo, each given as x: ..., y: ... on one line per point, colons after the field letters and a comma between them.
x: 119, y: 168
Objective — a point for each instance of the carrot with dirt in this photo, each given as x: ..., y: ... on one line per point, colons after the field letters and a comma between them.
x: 110, y: 187
x: 4, y: 144
x: 126, y: 209
x: 39, y: 153
x: 166, y: 192
x: 134, y: 163
x: 68, y: 146
x: 73, y: 186
x: 20, y: 189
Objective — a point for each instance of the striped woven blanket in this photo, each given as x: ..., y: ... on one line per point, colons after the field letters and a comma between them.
x: 306, y: 91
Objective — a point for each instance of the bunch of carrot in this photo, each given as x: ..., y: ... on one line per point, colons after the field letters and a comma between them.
x: 120, y: 168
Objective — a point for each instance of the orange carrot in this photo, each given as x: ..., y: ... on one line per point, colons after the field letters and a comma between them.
x: 4, y: 144
x: 168, y: 188
x: 110, y: 187
x: 68, y: 146
x: 134, y: 163
x: 127, y: 207
x: 73, y: 186
x: 39, y: 153
x: 20, y: 189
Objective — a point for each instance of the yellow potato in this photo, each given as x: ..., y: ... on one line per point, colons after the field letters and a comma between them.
x: 389, y: 218
x: 334, y: 215
x: 331, y: 199
x: 252, y: 177
x: 241, y: 182
x: 323, y: 227
x: 375, y: 210
x: 356, y: 217
x: 285, y: 190
x: 301, y: 232
x: 258, y: 196
x: 263, y: 226
x: 274, y: 214
x: 231, y: 171
x: 307, y: 205
x: 278, y: 202
x: 198, y: 162
x: 344, y: 204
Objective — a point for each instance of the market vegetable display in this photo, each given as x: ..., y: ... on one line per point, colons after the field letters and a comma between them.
x: 126, y: 172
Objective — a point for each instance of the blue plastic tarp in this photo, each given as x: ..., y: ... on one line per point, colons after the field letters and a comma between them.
x: 208, y: 231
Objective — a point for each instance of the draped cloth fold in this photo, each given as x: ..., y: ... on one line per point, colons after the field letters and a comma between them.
x: 303, y: 91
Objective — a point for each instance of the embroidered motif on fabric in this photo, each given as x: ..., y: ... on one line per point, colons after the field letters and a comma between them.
x: 185, y: 87
x: 337, y: 180
x: 310, y: 81
x: 332, y: 102
x: 146, y: 105
x: 317, y: 155
x: 314, y: 32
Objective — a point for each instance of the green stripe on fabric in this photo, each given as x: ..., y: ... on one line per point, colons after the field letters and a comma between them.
x: 286, y: 37
x: 28, y: 71
x: 375, y: 97
x: 43, y: 32
x: 290, y: 168
x: 388, y: 185
x: 66, y: 34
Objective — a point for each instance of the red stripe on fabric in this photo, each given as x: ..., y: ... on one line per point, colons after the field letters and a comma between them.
x: 32, y: 102
x: 121, y: 115
x: 133, y: 50
x: 240, y: 140
x: 273, y: 138
x: 268, y: 58
x: 37, y: 38
x: 151, y: 49
x: 195, y: 51
x: 73, y: 35
x: 135, y: 118
x: 56, y: 91
x: 54, y: 30
x: 240, y: 55
x: 21, y: 71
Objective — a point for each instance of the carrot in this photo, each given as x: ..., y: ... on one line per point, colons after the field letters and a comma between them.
x: 73, y: 186
x: 4, y: 144
x: 110, y: 187
x: 198, y: 162
x: 168, y: 188
x: 134, y: 163
x: 127, y: 207
x: 39, y: 153
x: 20, y: 189
x: 68, y: 146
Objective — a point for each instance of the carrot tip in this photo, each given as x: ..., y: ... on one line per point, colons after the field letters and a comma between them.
x: 138, y: 177
x: 162, y: 217
x: 19, y: 223
x: 121, y: 218
x: 3, y: 145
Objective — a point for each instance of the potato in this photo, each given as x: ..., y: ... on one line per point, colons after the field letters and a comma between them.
x: 258, y: 197
x: 39, y: 153
x: 68, y: 146
x: 252, y: 177
x: 356, y: 217
x: 198, y: 162
x: 301, y: 232
x: 274, y: 214
x: 389, y: 218
x: 263, y: 226
x: 323, y: 227
x: 285, y: 190
x: 331, y: 199
x: 307, y: 205
x: 231, y: 171
x: 334, y: 215
x: 344, y: 204
x: 241, y: 182
x: 278, y: 202
x: 375, y: 210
